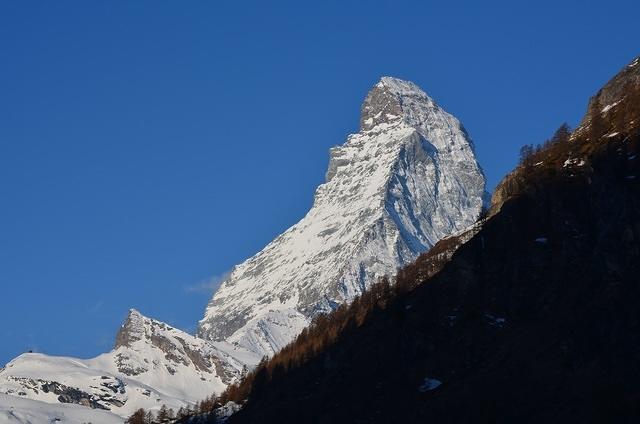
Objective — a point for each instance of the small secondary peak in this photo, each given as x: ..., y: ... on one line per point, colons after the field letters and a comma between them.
x: 131, y: 330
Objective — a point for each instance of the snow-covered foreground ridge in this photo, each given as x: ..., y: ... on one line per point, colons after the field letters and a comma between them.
x: 408, y: 178
x: 14, y: 410
x: 152, y: 364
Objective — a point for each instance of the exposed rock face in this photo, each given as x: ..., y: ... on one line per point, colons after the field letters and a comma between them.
x: 138, y: 333
x: 610, y: 95
x: 96, y: 401
x: 501, y: 193
x: 406, y: 180
x: 131, y: 331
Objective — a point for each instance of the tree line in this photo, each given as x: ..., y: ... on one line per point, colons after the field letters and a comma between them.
x: 165, y: 415
x: 326, y: 329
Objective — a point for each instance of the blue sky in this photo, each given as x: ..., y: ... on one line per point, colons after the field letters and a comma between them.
x: 147, y: 147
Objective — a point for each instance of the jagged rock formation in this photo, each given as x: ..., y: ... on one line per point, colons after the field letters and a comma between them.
x: 151, y: 364
x: 139, y: 336
x: 406, y: 180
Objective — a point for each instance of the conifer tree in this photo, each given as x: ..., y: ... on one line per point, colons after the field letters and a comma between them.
x: 148, y: 418
x: 138, y: 417
x: 182, y: 412
x: 163, y: 415
x: 526, y: 152
x: 562, y: 134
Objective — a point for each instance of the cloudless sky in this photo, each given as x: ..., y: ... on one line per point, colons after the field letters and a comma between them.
x: 146, y: 147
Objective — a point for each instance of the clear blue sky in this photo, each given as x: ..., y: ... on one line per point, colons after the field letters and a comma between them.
x: 146, y: 147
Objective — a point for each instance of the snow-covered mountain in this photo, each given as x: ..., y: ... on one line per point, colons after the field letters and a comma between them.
x: 151, y: 364
x: 408, y: 178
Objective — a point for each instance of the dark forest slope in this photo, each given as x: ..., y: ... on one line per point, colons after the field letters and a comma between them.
x: 535, y: 319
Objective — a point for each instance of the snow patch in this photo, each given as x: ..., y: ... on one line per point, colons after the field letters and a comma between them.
x: 607, y: 108
x: 17, y: 410
x: 429, y: 384
x: 495, y: 321
x: 573, y: 162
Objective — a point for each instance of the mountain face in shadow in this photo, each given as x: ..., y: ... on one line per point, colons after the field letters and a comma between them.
x: 531, y: 316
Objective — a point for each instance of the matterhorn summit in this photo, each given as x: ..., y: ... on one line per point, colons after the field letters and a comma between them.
x: 408, y: 178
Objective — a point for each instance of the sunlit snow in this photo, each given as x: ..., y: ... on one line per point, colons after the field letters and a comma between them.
x: 406, y: 180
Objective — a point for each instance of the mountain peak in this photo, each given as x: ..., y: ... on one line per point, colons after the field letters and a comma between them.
x: 399, y: 86
x: 132, y: 329
x: 392, y: 100
x: 134, y: 311
x: 392, y: 190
